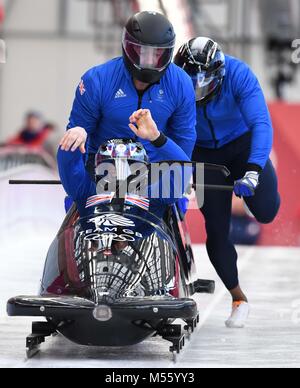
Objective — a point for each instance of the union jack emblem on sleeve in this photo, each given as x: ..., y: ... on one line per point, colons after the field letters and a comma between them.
x: 99, y: 199
x: 136, y: 200
x: 82, y: 88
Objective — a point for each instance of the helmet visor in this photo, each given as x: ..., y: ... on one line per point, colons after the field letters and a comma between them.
x: 145, y: 56
x: 205, y: 84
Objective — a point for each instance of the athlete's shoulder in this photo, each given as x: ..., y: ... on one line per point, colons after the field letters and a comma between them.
x: 233, y: 61
x: 177, y: 72
x: 180, y: 83
x: 100, y: 78
x: 105, y: 68
x: 240, y: 78
x: 236, y: 67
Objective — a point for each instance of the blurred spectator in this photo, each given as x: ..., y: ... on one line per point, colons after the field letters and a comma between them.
x: 1, y: 13
x: 51, y: 142
x: 34, y: 133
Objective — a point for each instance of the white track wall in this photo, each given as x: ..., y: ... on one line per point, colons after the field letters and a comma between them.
x: 42, y: 73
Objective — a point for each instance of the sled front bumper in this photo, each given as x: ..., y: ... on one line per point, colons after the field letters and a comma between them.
x: 130, y: 321
x: 68, y: 308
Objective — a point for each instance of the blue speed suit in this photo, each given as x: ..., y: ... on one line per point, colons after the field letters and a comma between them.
x: 234, y: 129
x: 107, y: 97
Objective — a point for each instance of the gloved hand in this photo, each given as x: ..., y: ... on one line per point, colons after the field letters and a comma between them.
x: 246, y: 186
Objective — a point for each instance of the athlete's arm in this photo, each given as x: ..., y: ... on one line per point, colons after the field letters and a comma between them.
x: 164, y: 148
x: 182, y: 124
x: 254, y: 109
x: 86, y: 112
x: 74, y: 177
x: 171, y: 185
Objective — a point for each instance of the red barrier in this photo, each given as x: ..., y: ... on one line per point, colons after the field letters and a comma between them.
x: 285, y: 230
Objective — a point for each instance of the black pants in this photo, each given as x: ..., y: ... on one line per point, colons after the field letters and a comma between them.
x: 218, y: 204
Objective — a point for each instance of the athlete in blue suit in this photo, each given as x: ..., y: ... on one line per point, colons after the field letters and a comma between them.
x: 143, y: 77
x: 233, y: 129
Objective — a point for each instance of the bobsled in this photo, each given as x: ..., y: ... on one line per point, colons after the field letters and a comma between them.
x: 116, y: 278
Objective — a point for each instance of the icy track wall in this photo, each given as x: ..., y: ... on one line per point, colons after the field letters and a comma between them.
x: 285, y: 230
x: 30, y: 217
x: 28, y: 212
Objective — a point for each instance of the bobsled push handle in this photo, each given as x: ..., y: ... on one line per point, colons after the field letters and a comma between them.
x: 214, y: 187
x: 215, y: 167
x: 34, y: 182
x: 207, y: 166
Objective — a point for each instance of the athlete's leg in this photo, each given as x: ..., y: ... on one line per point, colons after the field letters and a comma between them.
x: 265, y: 204
x: 217, y: 214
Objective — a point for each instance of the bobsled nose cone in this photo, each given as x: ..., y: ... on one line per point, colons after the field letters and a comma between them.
x: 102, y: 313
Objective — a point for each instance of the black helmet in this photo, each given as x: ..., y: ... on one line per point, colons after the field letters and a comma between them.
x: 204, y: 61
x: 148, y: 45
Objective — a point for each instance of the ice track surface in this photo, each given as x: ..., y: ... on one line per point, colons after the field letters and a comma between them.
x: 270, y: 275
